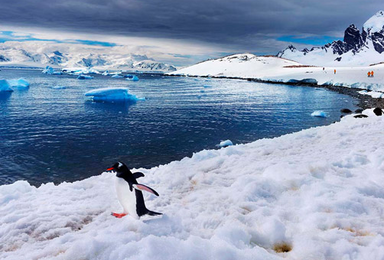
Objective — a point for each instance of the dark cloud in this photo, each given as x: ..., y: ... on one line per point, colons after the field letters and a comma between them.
x: 242, y: 24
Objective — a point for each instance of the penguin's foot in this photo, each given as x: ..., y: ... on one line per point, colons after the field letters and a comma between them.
x: 118, y: 215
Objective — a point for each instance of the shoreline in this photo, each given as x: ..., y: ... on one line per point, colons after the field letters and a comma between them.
x: 364, y: 101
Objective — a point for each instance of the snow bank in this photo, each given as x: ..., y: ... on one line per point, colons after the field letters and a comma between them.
x: 4, y: 86
x: 112, y: 95
x: 273, y: 69
x: 315, y: 194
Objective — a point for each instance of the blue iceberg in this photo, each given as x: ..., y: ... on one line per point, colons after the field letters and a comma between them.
x: 112, y: 95
x: 319, y: 113
x: 4, y: 86
x: 50, y: 71
x: 18, y: 83
x: 84, y: 77
x: 132, y: 77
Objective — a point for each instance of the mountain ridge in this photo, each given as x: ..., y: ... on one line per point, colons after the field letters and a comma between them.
x: 357, y: 48
x: 38, y: 54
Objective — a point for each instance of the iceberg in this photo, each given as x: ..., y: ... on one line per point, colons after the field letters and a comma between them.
x: 225, y: 143
x: 131, y: 77
x: 106, y: 73
x: 19, y: 83
x: 112, y: 95
x: 58, y: 87
x: 319, y: 113
x: 84, y: 77
x: 50, y: 71
x: 116, y: 76
x: 4, y: 86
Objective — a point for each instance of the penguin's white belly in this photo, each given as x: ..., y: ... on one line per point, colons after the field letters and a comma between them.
x: 127, y: 198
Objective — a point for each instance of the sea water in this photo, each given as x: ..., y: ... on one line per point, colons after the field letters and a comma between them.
x: 50, y: 133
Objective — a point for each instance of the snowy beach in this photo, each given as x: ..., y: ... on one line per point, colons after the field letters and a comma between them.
x: 314, y: 194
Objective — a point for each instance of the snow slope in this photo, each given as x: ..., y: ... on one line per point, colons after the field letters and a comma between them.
x: 317, y: 193
x: 281, y: 70
x: 244, y: 65
x: 60, y: 55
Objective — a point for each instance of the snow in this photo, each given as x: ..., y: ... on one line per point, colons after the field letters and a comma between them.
x: 4, y: 86
x: 19, y: 83
x: 373, y: 94
x: 317, y: 193
x: 112, y: 95
x: 273, y: 69
x: 225, y: 143
x: 319, y: 113
x: 375, y: 23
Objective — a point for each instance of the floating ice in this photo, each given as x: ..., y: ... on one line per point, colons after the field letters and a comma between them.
x: 116, y: 76
x: 132, y: 77
x: 59, y: 87
x: 84, y: 77
x: 18, y: 83
x: 225, y: 143
x: 48, y: 70
x: 319, y: 113
x: 112, y: 95
x: 105, y: 73
x: 4, y: 86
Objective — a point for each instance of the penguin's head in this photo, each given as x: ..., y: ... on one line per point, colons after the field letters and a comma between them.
x: 121, y: 170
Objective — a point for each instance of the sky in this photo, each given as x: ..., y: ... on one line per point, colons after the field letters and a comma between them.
x: 185, y: 32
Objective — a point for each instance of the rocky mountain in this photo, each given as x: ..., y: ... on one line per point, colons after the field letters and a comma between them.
x: 357, y: 48
x: 38, y: 54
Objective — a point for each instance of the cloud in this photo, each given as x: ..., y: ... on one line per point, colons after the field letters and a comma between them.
x: 241, y: 25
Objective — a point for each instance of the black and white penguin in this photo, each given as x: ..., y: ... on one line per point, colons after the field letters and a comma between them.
x: 129, y: 192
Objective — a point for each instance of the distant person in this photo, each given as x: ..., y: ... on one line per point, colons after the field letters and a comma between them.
x: 334, y: 71
x: 372, y: 73
x: 369, y: 74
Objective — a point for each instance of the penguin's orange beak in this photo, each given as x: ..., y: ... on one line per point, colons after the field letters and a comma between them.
x: 110, y: 169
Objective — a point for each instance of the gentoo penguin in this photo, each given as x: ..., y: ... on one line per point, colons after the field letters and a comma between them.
x: 129, y: 192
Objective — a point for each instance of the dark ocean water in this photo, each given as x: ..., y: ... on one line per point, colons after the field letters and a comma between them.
x: 55, y: 135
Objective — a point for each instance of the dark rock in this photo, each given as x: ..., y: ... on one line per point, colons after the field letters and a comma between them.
x: 378, y: 111
x: 352, y: 38
x: 359, y: 110
x: 345, y: 111
x: 360, y: 116
x: 378, y: 41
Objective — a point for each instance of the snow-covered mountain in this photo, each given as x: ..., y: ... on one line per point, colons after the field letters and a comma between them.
x: 357, y: 48
x: 239, y: 65
x: 41, y: 54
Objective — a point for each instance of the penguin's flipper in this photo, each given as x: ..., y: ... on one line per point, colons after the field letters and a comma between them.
x: 138, y: 175
x: 145, y: 188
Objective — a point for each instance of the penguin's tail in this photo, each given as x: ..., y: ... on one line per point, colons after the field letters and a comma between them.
x: 152, y: 213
